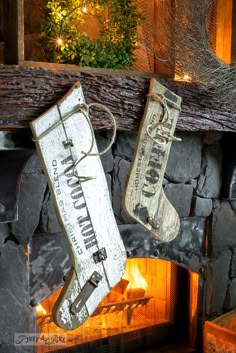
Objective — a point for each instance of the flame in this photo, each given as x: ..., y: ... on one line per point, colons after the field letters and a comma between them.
x: 134, y: 276
x: 40, y: 310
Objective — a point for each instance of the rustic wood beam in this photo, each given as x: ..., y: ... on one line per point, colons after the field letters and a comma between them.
x: 27, y: 92
x: 13, y: 31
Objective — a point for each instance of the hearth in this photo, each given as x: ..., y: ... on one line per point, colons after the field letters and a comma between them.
x: 184, y: 282
x: 171, y: 270
x: 129, y: 319
x: 143, y: 300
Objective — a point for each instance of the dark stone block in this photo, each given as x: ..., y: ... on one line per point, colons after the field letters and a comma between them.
x: 125, y: 144
x: 228, y: 190
x: 223, y: 227
x: 180, y: 196
x: 108, y: 178
x: 212, y: 137
x: 4, y: 233
x: 10, y: 348
x: 202, y: 207
x: 186, y: 249
x: 217, y: 282
x: 49, y: 264
x: 230, y: 301
x: 12, y: 163
x: 50, y: 261
x: 120, y: 173
x: 209, y: 183
x: 48, y: 219
x: 184, y: 161
x: 103, y: 138
x: 16, y: 314
x: 32, y: 188
x: 232, y: 272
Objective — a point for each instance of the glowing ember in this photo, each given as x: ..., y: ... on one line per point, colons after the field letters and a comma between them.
x: 40, y: 310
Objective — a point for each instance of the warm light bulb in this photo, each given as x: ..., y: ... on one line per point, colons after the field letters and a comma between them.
x: 187, y: 78
x: 59, y: 41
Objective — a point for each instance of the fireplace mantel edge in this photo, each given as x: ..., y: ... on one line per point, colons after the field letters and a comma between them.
x: 29, y: 89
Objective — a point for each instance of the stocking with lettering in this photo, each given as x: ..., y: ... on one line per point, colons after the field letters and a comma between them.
x: 144, y: 199
x: 67, y: 149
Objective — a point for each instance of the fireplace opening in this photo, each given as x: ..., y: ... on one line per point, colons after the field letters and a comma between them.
x: 154, y: 303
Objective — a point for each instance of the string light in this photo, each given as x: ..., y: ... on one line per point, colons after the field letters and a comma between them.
x: 59, y: 41
x: 63, y: 41
x: 187, y: 78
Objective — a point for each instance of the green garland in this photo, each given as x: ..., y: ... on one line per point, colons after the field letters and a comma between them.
x: 63, y: 42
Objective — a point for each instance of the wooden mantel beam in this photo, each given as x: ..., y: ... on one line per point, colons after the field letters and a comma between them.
x: 26, y: 91
x: 13, y: 31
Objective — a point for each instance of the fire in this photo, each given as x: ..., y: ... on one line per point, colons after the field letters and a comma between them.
x: 134, y: 276
x: 40, y: 310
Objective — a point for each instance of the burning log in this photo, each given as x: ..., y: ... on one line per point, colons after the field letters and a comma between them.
x: 26, y: 92
x: 135, y: 293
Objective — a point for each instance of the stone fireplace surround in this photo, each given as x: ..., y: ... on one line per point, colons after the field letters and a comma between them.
x: 193, y: 182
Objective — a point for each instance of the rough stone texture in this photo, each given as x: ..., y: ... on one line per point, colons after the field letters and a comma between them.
x: 32, y: 188
x: 186, y: 249
x: 4, y: 233
x: 233, y: 205
x: 16, y: 315
x: 12, y: 163
x: 223, y: 227
x: 103, y: 139
x: 217, y: 277
x: 48, y: 220
x: 202, y: 207
x: 209, y: 183
x: 180, y: 196
x: 121, y: 169
x: 228, y: 190
x: 230, y: 301
x: 232, y: 272
x: 211, y: 137
x: 184, y: 161
x: 125, y: 145
x: 193, y: 182
x: 108, y: 178
x: 49, y: 263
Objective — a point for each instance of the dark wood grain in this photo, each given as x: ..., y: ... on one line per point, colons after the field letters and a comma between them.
x: 26, y: 92
x: 13, y: 31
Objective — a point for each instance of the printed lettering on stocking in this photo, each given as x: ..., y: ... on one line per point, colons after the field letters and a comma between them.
x: 144, y: 199
x: 82, y: 203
